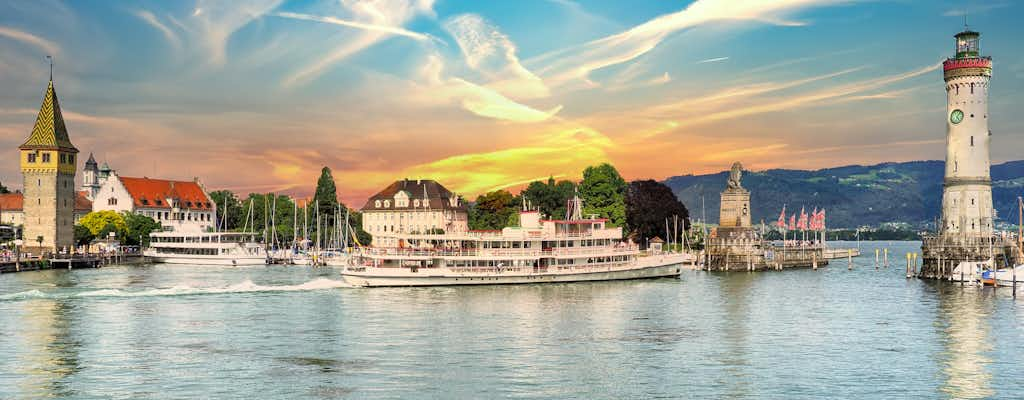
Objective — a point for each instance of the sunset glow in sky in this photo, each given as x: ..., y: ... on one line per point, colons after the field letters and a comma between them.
x: 257, y: 96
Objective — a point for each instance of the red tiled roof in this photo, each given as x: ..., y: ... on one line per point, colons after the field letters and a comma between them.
x: 15, y: 202
x: 82, y: 203
x: 11, y: 201
x: 153, y: 193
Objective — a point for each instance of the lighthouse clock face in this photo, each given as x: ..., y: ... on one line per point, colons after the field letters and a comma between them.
x: 956, y: 116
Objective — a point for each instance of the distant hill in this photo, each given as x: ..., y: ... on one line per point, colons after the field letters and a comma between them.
x: 854, y: 195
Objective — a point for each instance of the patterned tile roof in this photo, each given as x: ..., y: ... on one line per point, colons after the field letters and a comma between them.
x: 49, y: 131
x: 153, y: 193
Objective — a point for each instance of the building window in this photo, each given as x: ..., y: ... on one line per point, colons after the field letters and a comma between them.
x: 31, y: 157
x: 972, y: 141
x: 387, y: 203
x: 46, y: 157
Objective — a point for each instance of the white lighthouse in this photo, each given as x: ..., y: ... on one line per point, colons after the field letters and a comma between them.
x: 967, y: 188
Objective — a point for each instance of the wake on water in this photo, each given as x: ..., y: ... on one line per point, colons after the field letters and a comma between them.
x: 245, y: 287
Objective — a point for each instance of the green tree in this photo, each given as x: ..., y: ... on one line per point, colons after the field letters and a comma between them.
x: 492, y: 210
x: 603, y: 192
x: 137, y: 229
x: 649, y: 204
x: 83, y: 236
x: 3, y: 189
x: 231, y: 218
x: 272, y: 213
x: 326, y: 197
x: 549, y: 197
x: 102, y: 222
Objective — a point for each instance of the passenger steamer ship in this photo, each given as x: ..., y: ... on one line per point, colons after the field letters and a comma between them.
x: 206, y: 248
x: 537, y: 251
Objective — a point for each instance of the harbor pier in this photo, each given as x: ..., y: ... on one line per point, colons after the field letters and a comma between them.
x: 941, y: 254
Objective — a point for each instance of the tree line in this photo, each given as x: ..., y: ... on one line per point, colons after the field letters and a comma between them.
x: 640, y: 207
x: 278, y: 216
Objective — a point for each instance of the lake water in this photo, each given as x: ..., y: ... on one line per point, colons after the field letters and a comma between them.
x: 294, y: 332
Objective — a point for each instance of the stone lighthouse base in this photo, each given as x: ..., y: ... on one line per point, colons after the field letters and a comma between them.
x: 942, y: 253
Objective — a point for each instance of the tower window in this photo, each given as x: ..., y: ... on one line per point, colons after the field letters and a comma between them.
x: 31, y: 157
x: 46, y: 157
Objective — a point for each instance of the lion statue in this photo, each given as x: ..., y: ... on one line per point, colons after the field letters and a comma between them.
x: 735, y: 175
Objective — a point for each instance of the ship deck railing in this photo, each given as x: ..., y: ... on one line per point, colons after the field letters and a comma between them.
x: 594, y: 250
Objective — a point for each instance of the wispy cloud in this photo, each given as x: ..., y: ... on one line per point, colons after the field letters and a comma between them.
x: 355, y: 24
x: 975, y: 8
x: 474, y: 98
x: 376, y: 20
x: 711, y: 60
x: 47, y: 46
x: 217, y: 21
x: 168, y: 33
x: 491, y: 53
x: 576, y: 64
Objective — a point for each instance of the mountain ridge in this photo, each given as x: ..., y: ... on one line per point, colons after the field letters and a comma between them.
x: 853, y: 195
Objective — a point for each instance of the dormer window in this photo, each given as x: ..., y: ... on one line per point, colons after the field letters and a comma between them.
x: 416, y: 203
x: 159, y: 202
x: 387, y: 203
x: 145, y: 201
x: 376, y: 204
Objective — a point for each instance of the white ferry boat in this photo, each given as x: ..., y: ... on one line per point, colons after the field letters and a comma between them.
x: 206, y: 248
x: 537, y: 251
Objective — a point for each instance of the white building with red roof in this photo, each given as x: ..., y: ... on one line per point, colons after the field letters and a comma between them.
x: 177, y: 205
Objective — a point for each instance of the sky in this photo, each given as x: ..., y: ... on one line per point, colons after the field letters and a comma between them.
x: 258, y: 96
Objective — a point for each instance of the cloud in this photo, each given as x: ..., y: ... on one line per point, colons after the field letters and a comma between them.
x: 974, y: 9
x: 561, y: 150
x: 490, y: 52
x: 712, y: 60
x: 151, y: 19
x: 46, y: 46
x: 217, y: 21
x: 354, y: 24
x: 377, y: 19
x: 477, y: 99
x: 576, y: 64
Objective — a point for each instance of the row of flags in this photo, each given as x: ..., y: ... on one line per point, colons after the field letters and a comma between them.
x: 813, y: 222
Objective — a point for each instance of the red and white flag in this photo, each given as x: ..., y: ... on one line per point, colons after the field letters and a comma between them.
x: 802, y: 224
x: 782, y: 218
x: 821, y: 218
x: 792, y: 222
x: 813, y: 219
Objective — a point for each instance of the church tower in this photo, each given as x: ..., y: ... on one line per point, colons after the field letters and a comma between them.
x: 967, y: 188
x: 48, y: 168
x: 91, y: 178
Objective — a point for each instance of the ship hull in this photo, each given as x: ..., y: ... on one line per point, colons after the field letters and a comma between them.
x: 425, y: 277
x: 199, y: 260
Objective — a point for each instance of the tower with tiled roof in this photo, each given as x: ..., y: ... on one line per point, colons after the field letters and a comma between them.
x: 48, y: 167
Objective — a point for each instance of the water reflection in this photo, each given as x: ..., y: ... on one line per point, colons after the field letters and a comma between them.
x: 735, y: 335
x: 963, y: 322
x: 49, y: 349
